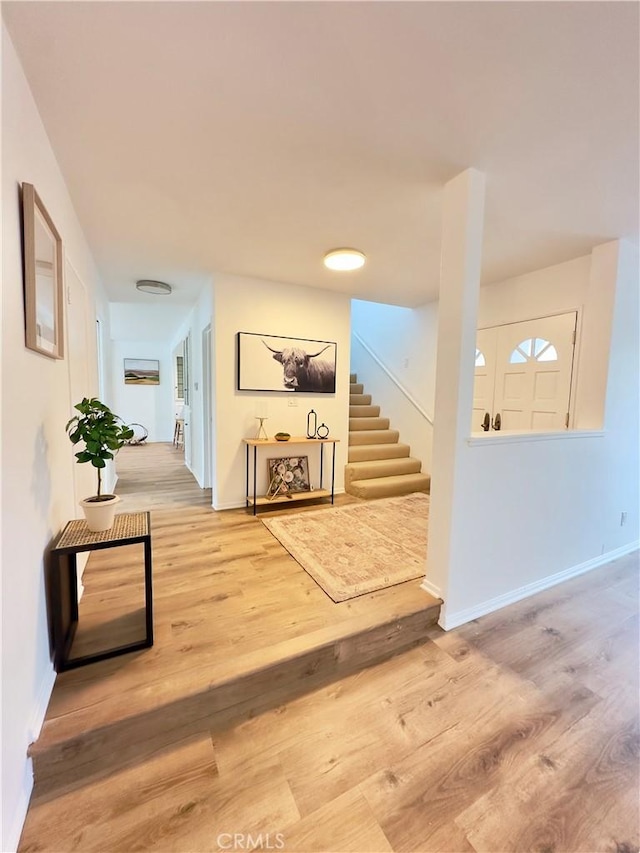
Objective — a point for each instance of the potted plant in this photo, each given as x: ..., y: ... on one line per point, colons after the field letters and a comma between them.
x: 103, y: 433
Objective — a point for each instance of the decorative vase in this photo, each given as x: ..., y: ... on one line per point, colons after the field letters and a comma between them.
x: 312, y: 424
x: 322, y: 431
x: 100, y: 514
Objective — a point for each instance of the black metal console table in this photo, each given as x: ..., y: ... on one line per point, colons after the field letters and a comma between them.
x: 252, y: 498
x: 128, y: 529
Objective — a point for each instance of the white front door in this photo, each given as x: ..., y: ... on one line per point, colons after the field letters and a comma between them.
x: 532, y: 376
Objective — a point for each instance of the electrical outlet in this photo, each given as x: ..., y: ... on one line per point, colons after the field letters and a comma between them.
x: 623, y: 519
x: 292, y: 402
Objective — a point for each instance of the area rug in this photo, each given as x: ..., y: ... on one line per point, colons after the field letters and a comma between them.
x: 357, y: 549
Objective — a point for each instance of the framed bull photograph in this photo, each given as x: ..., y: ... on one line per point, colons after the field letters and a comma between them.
x: 274, y: 363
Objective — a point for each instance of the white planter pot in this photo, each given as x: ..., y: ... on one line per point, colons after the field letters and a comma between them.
x: 100, y: 514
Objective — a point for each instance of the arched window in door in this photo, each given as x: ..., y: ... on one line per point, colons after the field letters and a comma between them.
x: 480, y: 360
x: 533, y: 349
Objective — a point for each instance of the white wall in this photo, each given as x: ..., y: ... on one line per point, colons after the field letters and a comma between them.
x: 530, y: 510
x: 404, y: 341
x: 250, y: 305
x: 140, y: 330
x: 37, y: 457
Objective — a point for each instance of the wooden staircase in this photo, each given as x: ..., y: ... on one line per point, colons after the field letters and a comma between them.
x: 379, y: 466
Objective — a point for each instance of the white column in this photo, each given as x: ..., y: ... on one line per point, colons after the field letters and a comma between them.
x: 462, y: 225
x: 596, y: 326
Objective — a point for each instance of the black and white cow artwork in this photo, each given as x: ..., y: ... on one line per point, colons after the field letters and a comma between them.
x: 303, y: 371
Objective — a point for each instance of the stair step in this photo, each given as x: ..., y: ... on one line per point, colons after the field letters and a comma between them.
x: 368, y: 423
x: 360, y: 399
x: 374, y: 436
x: 387, y: 487
x: 356, y: 388
x: 353, y: 378
x: 364, y: 411
x: 376, y: 468
x: 101, y: 738
x: 364, y: 452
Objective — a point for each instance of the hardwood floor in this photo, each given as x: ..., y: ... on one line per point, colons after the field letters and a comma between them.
x: 516, y: 732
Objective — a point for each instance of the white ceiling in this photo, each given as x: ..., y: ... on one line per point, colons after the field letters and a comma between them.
x: 252, y: 137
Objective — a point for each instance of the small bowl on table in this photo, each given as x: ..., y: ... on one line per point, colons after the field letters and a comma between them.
x: 282, y: 436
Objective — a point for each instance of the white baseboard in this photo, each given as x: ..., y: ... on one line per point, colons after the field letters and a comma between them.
x: 42, y: 702
x: 433, y: 590
x: 454, y: 620
x: 12, y: 836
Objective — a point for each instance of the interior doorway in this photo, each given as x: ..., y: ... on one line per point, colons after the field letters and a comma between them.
x: 207, y: 414
x: 523, y: 375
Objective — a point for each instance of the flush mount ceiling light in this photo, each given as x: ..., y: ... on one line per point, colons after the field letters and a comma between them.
x: 147, y: 285
x: 344, y: 259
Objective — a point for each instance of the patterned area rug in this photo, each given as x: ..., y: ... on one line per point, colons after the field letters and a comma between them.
x: 357, y: 549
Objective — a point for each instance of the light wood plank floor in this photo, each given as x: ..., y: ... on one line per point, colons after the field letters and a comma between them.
x: 238, y: 625
x: 517, y: 732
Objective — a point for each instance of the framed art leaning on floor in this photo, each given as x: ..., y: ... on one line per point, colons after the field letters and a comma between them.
x: 289, y: 474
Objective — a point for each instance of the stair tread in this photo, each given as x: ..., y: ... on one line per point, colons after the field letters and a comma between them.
x: 417, y: 477
x: 368, y: 423
x: 360, y: 399
x: 370, y: 452
x: 380, y: 487
x: 384, y: 463
x: 377, y: 468
x: 364, y: 411
x: 374, y: 436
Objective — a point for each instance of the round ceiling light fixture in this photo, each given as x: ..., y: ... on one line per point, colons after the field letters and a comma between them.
x: 344, y: 260
x: 148, y: 285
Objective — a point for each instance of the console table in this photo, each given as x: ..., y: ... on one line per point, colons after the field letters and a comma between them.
x: 128, y: 529
x: 252, y: 497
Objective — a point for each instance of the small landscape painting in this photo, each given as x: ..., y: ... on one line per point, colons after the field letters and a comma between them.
x: 141, y: 371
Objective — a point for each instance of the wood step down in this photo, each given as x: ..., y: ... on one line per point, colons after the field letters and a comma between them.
x: 124, y: 730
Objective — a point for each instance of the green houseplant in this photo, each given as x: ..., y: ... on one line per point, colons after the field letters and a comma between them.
x: 103, y: 434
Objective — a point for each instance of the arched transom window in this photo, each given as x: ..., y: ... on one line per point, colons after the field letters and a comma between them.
x: 533, y: 349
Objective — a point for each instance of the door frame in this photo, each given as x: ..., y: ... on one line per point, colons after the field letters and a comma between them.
x: 207, y: 414
x: 575, y: 365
